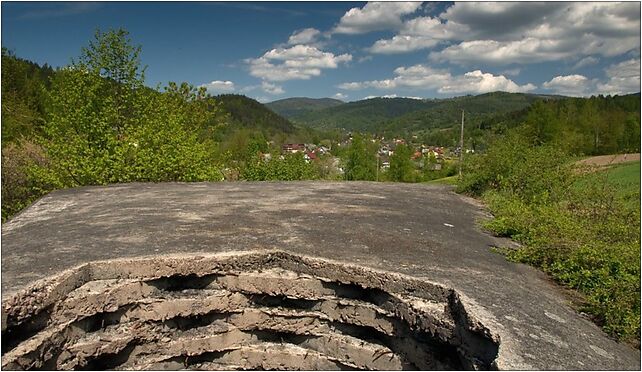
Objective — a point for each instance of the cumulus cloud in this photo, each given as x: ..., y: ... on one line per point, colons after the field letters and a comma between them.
x: 623, y: 77
x: 418, y: 33
x: 340, y: 96
x: 375, y: 16
x: 529, y: 50
x: 300, y: 62
x: 272, y: 88
x: 569, y: 85
x: 305, y: 36
x: 520, y: 32
x: 402, y: 44
x: 498, y: 20
x: 480, y: 82
x: 219, y: 86
x: 421, y: 77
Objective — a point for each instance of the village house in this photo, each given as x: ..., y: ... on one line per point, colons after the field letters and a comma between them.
x: 292, y: 148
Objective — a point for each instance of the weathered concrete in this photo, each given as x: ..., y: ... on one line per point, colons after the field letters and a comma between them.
x: 396, y: 227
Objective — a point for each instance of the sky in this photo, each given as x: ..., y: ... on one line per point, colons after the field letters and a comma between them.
x: 352, y: 50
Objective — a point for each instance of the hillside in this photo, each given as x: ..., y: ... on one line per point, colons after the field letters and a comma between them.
x: 292, y: 108
x: 362, y: 115
x: 24, y: 85
x: 246, y: 112
x: 406, y: 115
x: 447, y: 112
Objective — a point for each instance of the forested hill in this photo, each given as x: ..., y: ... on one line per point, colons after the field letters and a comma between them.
x: 590, y: 126
x: 446, y: 112
x: 292, y: 108
x: 361, y: 115
x: 246, y: 112
x: 407, y: 114
x: 24, y: 85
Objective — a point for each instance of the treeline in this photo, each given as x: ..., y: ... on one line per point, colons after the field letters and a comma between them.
x: 24, y: 86
x: 589, y: 126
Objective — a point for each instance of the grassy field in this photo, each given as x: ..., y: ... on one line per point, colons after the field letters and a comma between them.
x: 623, y: 178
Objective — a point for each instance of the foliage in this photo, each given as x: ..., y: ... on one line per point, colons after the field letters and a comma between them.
x: 20, y: 187
x: 572, y: 224
x: 104, y: 126
x: 361, y: 163
x: 401, y: 116
x: 294, y: 108
x: 448, y: 169
x: 401, y: 167
x: 360, y: 115
x: 248, y: 113
x: 24, y: 87
x: 289, y: 167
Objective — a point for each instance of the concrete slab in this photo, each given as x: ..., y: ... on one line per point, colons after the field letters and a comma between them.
x: 423, y: 231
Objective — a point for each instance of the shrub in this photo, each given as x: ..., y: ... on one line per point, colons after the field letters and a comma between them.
x: 21, y: 185
x: 581, y: 233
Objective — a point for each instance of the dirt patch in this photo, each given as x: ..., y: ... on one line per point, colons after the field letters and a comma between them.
x: 606, y: 160
x: 267, y: 310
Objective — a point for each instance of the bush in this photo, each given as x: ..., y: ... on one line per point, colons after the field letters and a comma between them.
x: 21, y: 185
x: 291, y: 167
x: 581, y: 233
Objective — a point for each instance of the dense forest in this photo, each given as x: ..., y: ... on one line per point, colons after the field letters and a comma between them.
x: 295, y: 107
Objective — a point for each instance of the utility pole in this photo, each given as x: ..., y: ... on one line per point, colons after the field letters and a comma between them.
x: 461, y: 143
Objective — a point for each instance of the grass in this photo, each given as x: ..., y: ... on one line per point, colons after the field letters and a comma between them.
x: 583, y: 229
x: 624, y: 179
x: 452, y: 180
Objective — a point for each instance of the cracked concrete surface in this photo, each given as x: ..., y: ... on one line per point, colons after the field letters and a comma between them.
x: 425, y: 232
x: 111, y: 314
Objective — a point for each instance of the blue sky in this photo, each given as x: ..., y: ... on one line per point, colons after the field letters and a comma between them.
x: 352, y: 50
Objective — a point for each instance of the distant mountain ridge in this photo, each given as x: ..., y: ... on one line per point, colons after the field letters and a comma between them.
x: 400, y: 113
x: 297, y: 106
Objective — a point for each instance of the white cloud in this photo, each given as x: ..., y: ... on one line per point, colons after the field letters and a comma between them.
x: 272, y: 88
x: 520, y: 32
x: 375, y: 16
x: 305, y: 36
x: 402, y: 44
x: 586, y: 61
x: 623, y: 77
x: 529, y: 50
x: 570, y: 85
x: 340, y: 96
x: 420, y: 77
x: 479, y: 82
x: 219, y: 86
x: 351, y: 86
x: 392, y: 96
x: 300, y: 62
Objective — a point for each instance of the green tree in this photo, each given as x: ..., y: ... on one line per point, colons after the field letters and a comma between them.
x: 104, y: 126
x: 401, y: 167
x: 361, y: 163
x: 23, y: 97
